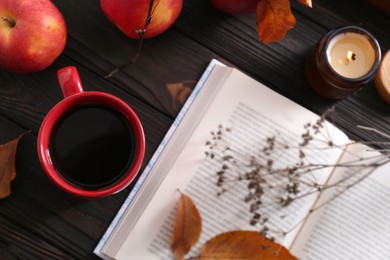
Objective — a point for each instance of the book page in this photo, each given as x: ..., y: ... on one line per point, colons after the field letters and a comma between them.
x: 158, y: 166
x: 253, y: 112
x: 356, y: 223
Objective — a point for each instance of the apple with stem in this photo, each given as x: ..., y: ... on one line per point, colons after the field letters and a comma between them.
x: 133, y: 16
x: 32, y: 35
x: 235, y: 7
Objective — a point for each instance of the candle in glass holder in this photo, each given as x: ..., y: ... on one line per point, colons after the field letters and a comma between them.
x: 345, y: 59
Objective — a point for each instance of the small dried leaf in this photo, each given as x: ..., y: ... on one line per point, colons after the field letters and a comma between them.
x: 188, y: 226
x: 308, y: 3
x: 7, y: 166
x: 274, y: 19
x: 179, y: 92
x: 243, y: 245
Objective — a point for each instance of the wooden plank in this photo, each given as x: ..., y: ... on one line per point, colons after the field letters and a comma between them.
x: 38, y: 210
x: 9, y: 130
x: 18, y: 244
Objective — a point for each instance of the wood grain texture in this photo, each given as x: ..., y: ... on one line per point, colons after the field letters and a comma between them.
x: 40, y: 221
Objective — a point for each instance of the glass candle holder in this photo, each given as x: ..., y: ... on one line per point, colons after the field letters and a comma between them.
x: 344, y: 60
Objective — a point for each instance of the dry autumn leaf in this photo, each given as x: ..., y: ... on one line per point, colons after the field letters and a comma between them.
x: 187, y: 229
x: 7, y: 166
x: 243, y: 245
x: 274, y: 19
x: 179, y: 92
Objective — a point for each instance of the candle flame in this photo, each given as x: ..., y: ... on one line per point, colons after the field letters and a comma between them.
x: 351, y: 56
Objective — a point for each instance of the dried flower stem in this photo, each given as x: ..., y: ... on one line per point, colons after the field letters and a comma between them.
x: 141, y: 34
x: 271, y: 188
x: 314, y: 209
x: 374, y: 130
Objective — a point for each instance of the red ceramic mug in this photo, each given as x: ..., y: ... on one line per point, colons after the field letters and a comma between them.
x: 91, y: 144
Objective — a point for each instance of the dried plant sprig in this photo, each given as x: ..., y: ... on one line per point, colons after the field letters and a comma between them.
x: 272, y: 188
x: 141, y: 34
x: 374, y: 130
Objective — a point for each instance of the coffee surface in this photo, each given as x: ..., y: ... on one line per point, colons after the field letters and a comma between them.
x: 92, y: 146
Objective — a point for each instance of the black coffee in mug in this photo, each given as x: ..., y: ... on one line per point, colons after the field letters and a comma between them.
x: 92, y: 146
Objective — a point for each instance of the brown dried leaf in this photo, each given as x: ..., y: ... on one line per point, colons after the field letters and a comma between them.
x: 188, y: 226
x: 274, y: 19
x: 7, y: 166
x: 243, y: 245
x: 179, y: 92
x: 308, y: 3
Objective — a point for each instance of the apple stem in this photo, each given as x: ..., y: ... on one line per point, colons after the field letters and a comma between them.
x: 8, y: 20
x: 141, y: 34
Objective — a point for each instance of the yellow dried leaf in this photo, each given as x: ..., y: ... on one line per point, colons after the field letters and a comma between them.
x: 7, y: 166
x: 179, y: 92
x: 274, y: 19
x: 187, y: 229
x: 243, y: 245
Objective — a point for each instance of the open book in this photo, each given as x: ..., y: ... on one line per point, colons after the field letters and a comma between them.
x: 337, y: 223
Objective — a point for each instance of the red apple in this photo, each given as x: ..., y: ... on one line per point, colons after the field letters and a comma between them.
x: 32, y: 35
x: 235, y: 7
x: 130, y: 15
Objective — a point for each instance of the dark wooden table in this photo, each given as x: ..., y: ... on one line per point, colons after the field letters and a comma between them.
x: 40, y: 221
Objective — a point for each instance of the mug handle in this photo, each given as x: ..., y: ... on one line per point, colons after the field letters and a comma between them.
x: 69, y: 80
